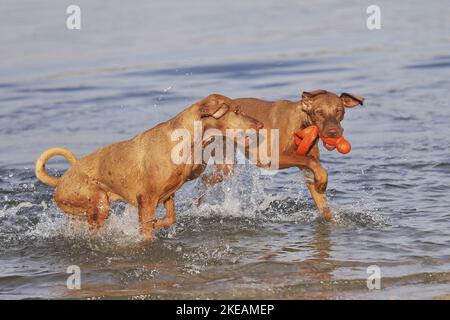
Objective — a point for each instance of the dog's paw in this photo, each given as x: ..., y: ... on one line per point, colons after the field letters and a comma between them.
x: 147, y: 235
x: 327, y: 214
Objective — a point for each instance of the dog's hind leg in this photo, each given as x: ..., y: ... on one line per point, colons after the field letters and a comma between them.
x: 98, y: 211
x: 81, y: 197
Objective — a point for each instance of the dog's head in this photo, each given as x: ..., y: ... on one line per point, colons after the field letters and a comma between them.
x: 326, y: 110
x: 222, y: 113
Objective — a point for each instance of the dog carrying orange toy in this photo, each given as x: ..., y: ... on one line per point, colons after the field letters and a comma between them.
x: 306, y: 138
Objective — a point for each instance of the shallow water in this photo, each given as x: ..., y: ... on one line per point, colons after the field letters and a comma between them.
x: 256, y: 236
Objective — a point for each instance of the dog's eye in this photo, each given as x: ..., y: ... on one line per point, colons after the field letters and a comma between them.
x: 319, y: 112
x: 236, y: 111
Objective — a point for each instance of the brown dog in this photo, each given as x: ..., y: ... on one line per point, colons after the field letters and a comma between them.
x: 140, y: 170
x: 319, y: 107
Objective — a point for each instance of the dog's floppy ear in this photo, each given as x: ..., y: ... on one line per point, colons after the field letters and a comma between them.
x: 307, y: 98
x: 311, y: 94
x: 215, y: 111
x: 351, y: 100
x: 214, y: 105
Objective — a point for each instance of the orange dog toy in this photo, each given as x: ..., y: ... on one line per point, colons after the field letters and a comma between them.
x: 306, y: 138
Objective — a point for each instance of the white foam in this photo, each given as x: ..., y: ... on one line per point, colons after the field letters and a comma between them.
x: 13, y: 210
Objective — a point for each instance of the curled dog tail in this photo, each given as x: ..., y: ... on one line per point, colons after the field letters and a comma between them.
x: 40, y: 171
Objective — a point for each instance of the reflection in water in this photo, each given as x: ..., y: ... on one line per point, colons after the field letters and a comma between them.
x: 319, y: 268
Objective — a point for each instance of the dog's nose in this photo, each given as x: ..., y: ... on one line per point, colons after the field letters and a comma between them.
x: 332, y: 133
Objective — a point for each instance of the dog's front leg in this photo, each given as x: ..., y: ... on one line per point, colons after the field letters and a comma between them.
x: 320, y: 175
x: 316, y: 184
x: 147, y: 205
x: 170, y: 217
x: 220, y: 172
x: 320, y: 199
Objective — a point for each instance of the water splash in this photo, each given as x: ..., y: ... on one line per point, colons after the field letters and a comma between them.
x: 360, y: 214
x: 248, y: 195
